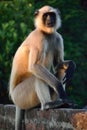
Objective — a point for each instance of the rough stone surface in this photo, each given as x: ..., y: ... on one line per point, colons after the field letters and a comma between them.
x: 54, y: 119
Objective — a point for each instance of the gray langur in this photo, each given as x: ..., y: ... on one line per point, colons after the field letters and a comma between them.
x: 35, y: 63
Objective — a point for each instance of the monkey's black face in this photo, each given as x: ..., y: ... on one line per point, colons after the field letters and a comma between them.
x: 49, y: 19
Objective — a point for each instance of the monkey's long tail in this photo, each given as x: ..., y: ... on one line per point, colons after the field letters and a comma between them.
x: 20, y: 119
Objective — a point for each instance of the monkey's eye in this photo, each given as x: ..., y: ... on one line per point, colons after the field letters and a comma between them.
x: 49, y: 19
x: 36, y: 13
x: 45, y: 16
x: 51, y: 14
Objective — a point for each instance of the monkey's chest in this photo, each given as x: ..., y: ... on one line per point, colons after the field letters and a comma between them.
x: 48, y: 60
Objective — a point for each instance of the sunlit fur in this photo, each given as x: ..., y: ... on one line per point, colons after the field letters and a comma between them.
x: 39, y: 23
x: 32, y: 64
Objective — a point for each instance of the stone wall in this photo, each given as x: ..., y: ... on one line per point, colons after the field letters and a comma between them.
x: 54, y: 119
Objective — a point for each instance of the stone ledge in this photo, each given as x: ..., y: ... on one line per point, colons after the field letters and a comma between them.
x: 54, y: 119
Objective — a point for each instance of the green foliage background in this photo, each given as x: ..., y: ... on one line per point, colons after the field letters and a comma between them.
x: 16, y: 22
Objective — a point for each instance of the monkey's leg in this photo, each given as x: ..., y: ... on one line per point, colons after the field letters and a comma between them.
x: 24, y: 94
x: 43, y: 93
x: 19, y: 119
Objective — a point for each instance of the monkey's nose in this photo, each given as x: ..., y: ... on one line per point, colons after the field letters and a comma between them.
x: 50, y: 22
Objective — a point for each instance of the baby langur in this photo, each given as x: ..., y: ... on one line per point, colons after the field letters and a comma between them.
x: 31, y: 77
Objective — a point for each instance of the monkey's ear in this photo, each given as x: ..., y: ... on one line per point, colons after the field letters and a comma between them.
x: 36, y: 13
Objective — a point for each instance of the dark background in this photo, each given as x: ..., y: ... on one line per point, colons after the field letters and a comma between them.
x: 16, y: 22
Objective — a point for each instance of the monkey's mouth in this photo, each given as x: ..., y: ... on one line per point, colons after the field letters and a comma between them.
x: 50, y: 24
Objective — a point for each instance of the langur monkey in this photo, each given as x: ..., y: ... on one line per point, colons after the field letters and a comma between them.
x: 33, y: 67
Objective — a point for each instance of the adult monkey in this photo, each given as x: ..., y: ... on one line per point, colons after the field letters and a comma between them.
x: 32, y: 63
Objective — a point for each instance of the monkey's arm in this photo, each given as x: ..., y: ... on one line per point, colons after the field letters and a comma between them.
x: 39, y: 70
x: 64, y: 69
x: 69, y: 72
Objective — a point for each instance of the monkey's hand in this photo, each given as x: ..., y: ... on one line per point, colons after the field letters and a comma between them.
x: 69, y: 72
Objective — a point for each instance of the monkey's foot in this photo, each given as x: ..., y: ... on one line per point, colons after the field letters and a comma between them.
x: 54, y: 104
x: 69, y: 104
x: 65, y: 103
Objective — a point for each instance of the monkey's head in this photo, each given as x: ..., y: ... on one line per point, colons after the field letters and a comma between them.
x: 47, y: 19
